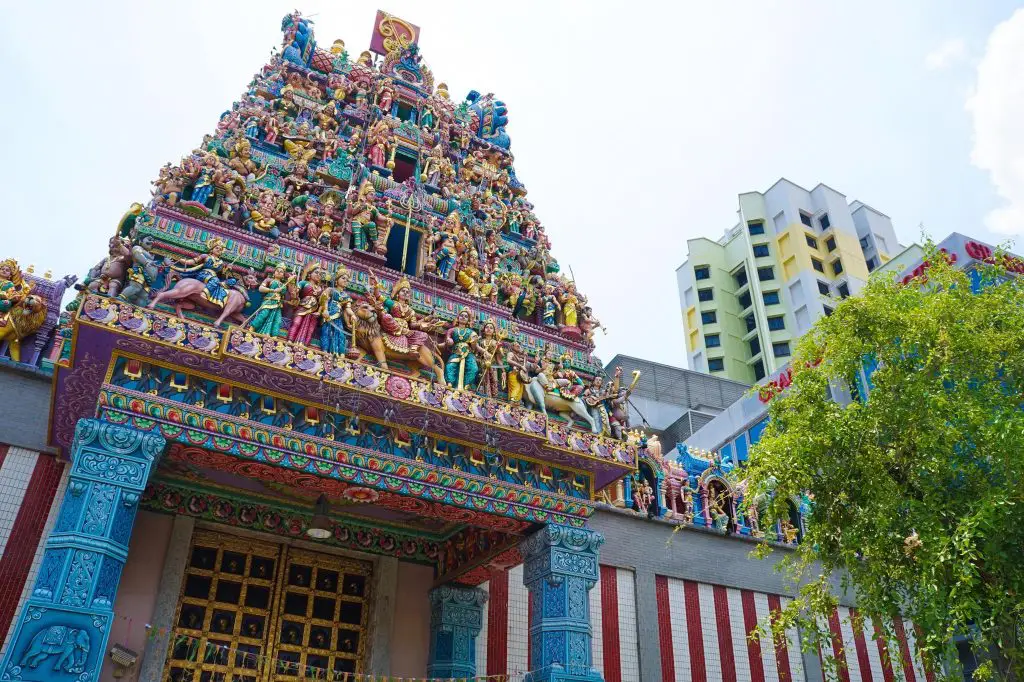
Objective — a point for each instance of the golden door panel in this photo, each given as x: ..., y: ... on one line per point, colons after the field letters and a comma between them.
x: 321, y: 625
x: 257, y: 612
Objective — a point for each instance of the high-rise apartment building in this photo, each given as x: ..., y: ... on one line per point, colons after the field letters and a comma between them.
x: 747, y: 297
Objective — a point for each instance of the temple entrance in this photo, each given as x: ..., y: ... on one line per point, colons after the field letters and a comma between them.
x: 251, y: 611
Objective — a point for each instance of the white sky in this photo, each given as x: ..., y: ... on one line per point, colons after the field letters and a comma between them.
x: 634, y: 125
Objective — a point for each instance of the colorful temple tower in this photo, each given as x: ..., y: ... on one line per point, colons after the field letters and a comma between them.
x: 333, y: 349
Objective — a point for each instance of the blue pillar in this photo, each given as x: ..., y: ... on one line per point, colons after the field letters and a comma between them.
x: 65, y: 623
x: 456, y: 615
x: 559, y: 571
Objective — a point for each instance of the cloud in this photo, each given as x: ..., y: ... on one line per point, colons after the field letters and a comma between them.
x: 946, y: 54
x: 997, y: 109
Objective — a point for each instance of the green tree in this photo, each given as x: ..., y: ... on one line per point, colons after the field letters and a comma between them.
x: 917, y: 493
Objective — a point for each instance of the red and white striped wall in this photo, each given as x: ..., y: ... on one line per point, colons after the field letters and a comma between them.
x: 502, y: 647
x: 866, y: 656
x: 703, y: 632
x: 31, y: 487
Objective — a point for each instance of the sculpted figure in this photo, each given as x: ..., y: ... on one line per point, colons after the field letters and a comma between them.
x: 462, y: 368
x: 363, y: 215
x: 208, y: 282
x: 107, y: 276
x: 306, y: 298
x: 491, y: 352
x: 21, y: 311
x: 387, y: 326
x: 267, y: 318
x: 141, y: 275
x: 336, y: 313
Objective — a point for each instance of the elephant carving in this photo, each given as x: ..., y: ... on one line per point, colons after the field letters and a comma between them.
x: 69, y: 645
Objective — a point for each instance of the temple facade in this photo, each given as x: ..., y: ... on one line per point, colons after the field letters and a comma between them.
x: 328, y: 409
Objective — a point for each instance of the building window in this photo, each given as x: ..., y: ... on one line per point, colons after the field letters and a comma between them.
x: 744, y: 300
x: 830, y: 244
x: 705, y: 295
x: 761, y: 251
x: 828, y: 311
x: 766, y: 273
x: 712, y: 341
x: 811, y: 241
x: 716, y: 364
x: 823, y: 288
x: 708, y: 317
x: 777, y: 323
x: 781, y: 349
x: 741, y: 278
x: 758, y: 370
x: 702, y: 272
x: 837, y: 266
x: 805, y: 218
x: 817, y: 265
x: 770, y: 297
x: 844, y: 290
x: 863, y: 242
x: 872, y: 264
x: 755, y: 227
x: 751, y: 325
x: 824, y: 221
x: 755, y: 346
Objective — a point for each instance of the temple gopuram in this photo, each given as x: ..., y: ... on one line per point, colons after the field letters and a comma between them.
x: 326, y: 408
x: 337, y: 321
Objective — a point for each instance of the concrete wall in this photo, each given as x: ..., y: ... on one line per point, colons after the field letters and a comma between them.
x: 140, y: 585
x: 25, y: 396
x: 410, y: 630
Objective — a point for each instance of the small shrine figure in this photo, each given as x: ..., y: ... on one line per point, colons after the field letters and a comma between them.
x: 520, y: 367
x: 569, y: 302
x: 21, y: 313
x: 306, y: 299
x: 789, y: 532
x: 267, y: 318
x: 686, y: 500
x: 550, y: 307
x: 444, y: 254
x: 569, y: 383
x: 336, y: 313
x: 211, y: 270
x: 385, y: 95
x: 492, y: 369
x: 643, y: 495
x: 462, y: 368
x: 363, y: 214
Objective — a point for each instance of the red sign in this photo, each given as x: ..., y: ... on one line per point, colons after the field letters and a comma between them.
x: 986, y: 255
x: 391, y: 33
x: 775, y: 386
x: 920, y: 269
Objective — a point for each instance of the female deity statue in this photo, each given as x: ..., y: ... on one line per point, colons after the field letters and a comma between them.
x: 267, y: 318
x: 203, y: 186
x: 211, y: 270
x: 569, y: 302
x: 569, y: 383
x: 492, y: 366
x: 336, y: 313
x: 12, y: 287
x: 363, y: 214
x: 550, y: 306
x: 444, y: 255
x: 403, y: 329
x: 385, y: 96
x: 306, y: 298
x: 462, y: 368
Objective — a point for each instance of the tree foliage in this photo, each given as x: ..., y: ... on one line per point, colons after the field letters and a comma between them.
x: 918, y: 491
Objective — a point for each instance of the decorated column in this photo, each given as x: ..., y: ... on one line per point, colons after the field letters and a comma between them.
x: 456, y: 615
x: 559, y: 571
x: 64, y: 625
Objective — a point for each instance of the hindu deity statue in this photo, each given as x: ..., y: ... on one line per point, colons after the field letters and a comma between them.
x: 520, y: 367
x: 550, y: 307
x: 569, y: 302
x: 643, y: 495
x: 569, y: 383
x: 336, y: 313
x: 444, y: 254
x: 211, y: 270
x: 385, y: 95
x: 363, y: 215
x: 203, y: 186
x: 461, y: 369
x: 402, y: 327
x: 267, y: 318
x: 306, y: 299
x: 490, y: 349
